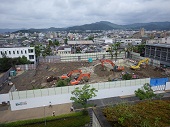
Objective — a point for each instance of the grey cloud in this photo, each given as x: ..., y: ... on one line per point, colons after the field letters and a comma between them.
x: 64, y: 13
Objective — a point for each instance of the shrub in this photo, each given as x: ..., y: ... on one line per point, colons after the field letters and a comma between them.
x: 145, y: 92
x: 127, y: 76
x: 61, y: 83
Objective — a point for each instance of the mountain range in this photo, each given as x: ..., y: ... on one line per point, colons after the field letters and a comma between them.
x: 102, y: 25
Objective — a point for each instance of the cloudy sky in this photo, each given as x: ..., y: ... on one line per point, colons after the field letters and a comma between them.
x: 64, y: 13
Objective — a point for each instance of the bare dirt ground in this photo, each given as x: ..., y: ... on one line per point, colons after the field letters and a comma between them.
x: 35, y: 79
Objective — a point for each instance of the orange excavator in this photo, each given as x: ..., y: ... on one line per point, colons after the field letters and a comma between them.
x: 78, y: 80
x: 68, y: 75
x: 115, y: 68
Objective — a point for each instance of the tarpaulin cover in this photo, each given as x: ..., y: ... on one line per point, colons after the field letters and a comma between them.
x: 158, y: 81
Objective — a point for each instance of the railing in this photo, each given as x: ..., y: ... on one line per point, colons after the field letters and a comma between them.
x: 68, y: 89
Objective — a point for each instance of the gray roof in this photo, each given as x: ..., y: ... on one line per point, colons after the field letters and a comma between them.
x: 160, y: 45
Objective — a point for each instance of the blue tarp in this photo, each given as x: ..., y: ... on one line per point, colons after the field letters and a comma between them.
x: 158, y: 81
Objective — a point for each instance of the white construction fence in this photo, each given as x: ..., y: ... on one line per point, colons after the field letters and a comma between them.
x: 60, y: 95
x: 68, y: 89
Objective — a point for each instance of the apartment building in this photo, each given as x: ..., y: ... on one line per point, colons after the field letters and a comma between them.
x: 159, y: 52
x: 28, y: 52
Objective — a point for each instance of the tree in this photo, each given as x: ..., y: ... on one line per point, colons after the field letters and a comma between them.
x: 56, y: 42
x: 128, y: 49
x: 91, y: 38
x: 115, y: 48
x: 37, y: 51
x: 81, y: 96
x: 65, y: 41
x: 145, y: 92
x: 47, y: 51
x: 23, y: 60
x: 50, y: 43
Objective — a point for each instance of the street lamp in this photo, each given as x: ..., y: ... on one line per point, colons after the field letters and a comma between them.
x: 44, y: 115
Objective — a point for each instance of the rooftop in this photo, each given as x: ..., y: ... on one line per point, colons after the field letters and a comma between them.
x: 160, y: 45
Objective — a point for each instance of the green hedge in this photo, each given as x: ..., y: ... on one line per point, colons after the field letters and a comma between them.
x: 68, y: 120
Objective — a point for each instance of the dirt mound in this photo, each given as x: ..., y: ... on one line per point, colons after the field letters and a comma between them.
x: 100, y: 71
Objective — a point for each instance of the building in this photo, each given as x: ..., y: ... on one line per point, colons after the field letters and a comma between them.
x: 28, y: 52
x: 64, y: 50
x: 132, y: 41
x: 159, y: 52
x: 103, y: 40
x: 159, y: 41
x: 72, y: 43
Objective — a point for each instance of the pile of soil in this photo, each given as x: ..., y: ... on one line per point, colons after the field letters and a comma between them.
x: 102, y: 71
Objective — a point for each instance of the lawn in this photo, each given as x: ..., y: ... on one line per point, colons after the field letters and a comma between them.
x: 77, y: 119
x: 155, y: 113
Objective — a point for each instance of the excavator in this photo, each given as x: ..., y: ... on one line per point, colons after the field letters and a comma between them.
x: 115, y: 68
x: 78, y: 80
x: 68, y: 75
x: 146, y: 60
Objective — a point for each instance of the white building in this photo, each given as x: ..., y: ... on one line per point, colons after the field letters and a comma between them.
x: 159, y: 41
x: 103, y: 40
x: 130, y: 40
x: 64, y: 50
x: 28, y: 52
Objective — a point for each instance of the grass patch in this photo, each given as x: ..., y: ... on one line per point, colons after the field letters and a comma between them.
x: 68, y: 120
x: 154, y: 113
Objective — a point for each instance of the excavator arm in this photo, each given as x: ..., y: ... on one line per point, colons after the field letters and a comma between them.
x: 65, y: 76
x: 146, y: 60
x: 116, y: 68
x: 107, y: 61
x: 75, y: 82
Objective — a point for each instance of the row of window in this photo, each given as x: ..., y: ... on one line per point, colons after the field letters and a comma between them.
x: 17, y: 52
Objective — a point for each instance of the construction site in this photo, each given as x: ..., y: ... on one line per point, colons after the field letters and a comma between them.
x: 46, y: 75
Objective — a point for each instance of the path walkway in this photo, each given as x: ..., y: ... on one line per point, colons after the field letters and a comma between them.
x: 6, y: 115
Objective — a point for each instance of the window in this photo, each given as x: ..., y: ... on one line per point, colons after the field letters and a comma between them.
x: 21, y: 52
x: 31, y: 56
x: 30, y: 50
x: 17, y: 52
x: 5, y: 52
x: 1, y: 52
x: 9, y: 52
x: 25, y: 52
x: 13, y: 52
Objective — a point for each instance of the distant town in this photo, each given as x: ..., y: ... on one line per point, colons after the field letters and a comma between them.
x: 157, y: 43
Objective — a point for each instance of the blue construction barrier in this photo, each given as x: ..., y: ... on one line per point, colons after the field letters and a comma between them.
x: 158, y: 81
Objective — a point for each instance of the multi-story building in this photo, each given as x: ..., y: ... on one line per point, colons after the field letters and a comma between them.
x: 132, y: 41
x: 159, y: 41
x: 159, y: 52
x: 28, y: 52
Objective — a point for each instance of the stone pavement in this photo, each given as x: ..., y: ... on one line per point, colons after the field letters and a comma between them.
x: 6, y: 115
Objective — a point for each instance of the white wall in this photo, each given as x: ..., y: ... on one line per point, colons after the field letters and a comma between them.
x: 167, y: 86
x: 65, y: 98
x: 4, y: 98
x: 40, y: 101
